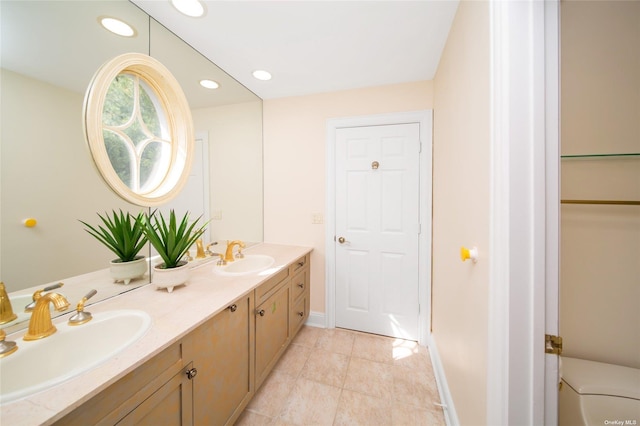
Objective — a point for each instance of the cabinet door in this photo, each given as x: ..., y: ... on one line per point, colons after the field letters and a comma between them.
x: 170, y: 405
x: 222, y: 351
x: 272, y: 331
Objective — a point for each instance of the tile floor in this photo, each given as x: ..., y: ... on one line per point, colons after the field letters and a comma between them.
x: 343, y: 377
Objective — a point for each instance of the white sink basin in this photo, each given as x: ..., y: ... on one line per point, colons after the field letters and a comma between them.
x: 250, y: 264
x: 72, y: 350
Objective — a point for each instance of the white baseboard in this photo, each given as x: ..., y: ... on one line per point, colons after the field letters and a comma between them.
x: 316, y: 319
x: 446, y: 400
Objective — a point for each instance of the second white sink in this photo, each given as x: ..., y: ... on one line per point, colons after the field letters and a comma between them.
x: 72, y: 350
x: 251, y: 263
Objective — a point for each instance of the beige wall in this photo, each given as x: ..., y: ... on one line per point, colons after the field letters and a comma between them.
x: 235, y: 168
x: 48, y: 174
x: 461, y: 194
x: 600, y: 245
x: 294, y: 161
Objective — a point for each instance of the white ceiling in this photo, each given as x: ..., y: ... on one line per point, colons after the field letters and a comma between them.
x: 316, y: 46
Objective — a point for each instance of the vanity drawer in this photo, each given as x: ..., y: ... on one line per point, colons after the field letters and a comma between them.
x: 299, y: 264
x: 299, y: 284
x: 266, y: 288
x: 298, y: 314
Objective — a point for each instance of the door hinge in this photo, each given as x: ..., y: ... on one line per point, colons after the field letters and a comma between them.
x: 552, y: 344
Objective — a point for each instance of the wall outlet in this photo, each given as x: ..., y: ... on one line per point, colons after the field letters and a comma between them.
x: 216, y: 215
x: 317, y: 218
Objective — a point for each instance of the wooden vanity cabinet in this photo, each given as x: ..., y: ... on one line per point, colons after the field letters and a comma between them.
x: 282, y: 307
x: 209, y: 377
x: 222, y: 351
x: 299, y: 294
x: 158, y: 389
x: 272, y: 323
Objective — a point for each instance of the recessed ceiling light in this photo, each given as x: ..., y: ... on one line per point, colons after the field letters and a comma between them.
x: 262, y: 75
x: 192, y: 8
x: 117, y: 26
x: 209, y: 84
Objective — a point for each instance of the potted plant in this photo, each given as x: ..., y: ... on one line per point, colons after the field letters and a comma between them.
x: 171, y: 239
x: 124, y: 235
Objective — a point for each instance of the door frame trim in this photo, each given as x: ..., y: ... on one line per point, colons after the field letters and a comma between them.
x: 425, y: 119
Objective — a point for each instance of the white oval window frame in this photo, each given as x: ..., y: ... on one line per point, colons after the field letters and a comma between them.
x: 179, y: 124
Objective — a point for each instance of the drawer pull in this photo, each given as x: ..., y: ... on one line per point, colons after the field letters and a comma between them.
x: 300, y: 264
x: 301, y: 313
x: 191, y: 373
x: 301, y: 285
x: 261, y: 312
x: 233, y: 307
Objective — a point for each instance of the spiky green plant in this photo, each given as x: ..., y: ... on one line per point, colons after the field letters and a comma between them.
x: 122, y: 233
x: 170, y: 238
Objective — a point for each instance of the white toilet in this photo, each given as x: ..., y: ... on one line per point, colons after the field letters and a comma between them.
x: 596, y: 393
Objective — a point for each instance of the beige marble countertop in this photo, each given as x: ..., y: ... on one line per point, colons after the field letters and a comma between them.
x: 174, y: 315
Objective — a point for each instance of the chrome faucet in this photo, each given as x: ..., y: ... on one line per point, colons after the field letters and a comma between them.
x: 228, y: 255
x: 40, y: 325
x: 6, y: 311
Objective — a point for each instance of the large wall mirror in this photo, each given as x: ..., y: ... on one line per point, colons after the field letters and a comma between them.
x: 50, y: 52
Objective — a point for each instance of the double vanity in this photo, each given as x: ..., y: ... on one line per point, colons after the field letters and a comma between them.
x: 194, y: 356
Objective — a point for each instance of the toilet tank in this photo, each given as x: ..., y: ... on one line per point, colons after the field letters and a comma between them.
x: 596, y: 393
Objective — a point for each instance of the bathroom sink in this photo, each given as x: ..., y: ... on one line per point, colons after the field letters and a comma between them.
x: 72, y: 350
x: 250, y: 264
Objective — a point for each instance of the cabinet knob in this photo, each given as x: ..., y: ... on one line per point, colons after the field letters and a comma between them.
x: 301, y: 314
x: 261, y: 312
x: 301, y: 285
x: 233, y: 307
x: 300, y: 264
x: 191, y: 373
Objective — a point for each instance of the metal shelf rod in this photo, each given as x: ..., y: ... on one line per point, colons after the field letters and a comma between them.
x: 609, y: 202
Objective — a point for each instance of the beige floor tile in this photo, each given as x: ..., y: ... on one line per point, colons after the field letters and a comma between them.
x: 374, y: 348
x: 408, y: 415
x: 326, y: 367
x: 344, y: 377
x: 410, y: 354
x: 294, y: 359
x: 355, y: 408
x: 336, y: 340
x: 272, y: 395
x: 311, y: 403
x: 308, y: 336
x: 249, y: 418
x: 369, y: 377
x: 412, y: 387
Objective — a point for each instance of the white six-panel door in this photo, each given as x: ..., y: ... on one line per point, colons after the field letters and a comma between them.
x: 377, y: 229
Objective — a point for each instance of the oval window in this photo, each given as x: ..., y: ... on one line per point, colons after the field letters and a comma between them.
x: 139, y: 129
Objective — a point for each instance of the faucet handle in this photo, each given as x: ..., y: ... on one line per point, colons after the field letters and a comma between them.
x: 239, y: 254
x: 221, y: 261
x: 6, y: 348
x: 38, y: 293
x: 81, y: 316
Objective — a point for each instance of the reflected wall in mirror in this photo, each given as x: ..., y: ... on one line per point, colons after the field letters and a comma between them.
x: 50, y: 51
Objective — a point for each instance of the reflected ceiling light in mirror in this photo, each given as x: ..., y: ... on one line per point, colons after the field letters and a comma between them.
x: 193, y: 8
x: 117, y: 26
x: 262, y: 75
x: 209, y: 84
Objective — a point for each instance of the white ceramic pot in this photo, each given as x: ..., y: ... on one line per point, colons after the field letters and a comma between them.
x: 127, y: 271
x: 170, y: 278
